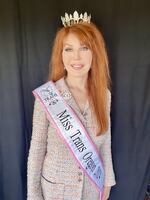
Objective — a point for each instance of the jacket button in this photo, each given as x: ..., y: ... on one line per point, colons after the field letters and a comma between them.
x: 79, y: 173
x: 79, y: 180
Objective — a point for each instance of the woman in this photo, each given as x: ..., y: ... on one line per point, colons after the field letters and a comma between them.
x: 80, y: 72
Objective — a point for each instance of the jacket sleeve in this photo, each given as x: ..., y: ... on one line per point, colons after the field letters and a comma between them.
x: 36, y: 153
x: 106, y: 152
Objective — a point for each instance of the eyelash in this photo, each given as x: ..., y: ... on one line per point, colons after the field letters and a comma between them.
x: 84, y: 48
x: 68, y: 49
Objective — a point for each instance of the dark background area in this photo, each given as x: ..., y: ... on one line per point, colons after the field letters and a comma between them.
x: 27, y: 29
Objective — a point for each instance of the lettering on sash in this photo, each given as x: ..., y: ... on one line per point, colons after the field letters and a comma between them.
x: 65, y: 120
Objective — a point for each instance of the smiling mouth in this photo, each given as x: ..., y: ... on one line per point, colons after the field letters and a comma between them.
x: 77, y: 67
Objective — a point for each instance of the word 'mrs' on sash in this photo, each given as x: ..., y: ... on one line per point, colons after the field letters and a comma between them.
x: 73, y: 132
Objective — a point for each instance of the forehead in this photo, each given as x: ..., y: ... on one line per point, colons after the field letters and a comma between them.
x: 73, y: 39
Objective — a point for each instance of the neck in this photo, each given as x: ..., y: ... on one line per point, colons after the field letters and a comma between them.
x: 77, y: 82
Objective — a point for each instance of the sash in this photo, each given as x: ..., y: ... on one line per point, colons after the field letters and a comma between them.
x: 74, y: 134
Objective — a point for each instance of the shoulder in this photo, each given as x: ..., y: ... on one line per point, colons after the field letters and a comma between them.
x: 63, y: 89
x: 60, y: 83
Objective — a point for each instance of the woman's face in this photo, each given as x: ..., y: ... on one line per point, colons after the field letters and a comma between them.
x: 76, y: 57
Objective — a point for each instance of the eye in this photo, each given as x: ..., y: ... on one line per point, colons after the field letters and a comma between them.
x: 84, y: 48
x: 68, y: 49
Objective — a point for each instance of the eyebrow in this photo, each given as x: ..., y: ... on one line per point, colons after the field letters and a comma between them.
x: 67, y: 44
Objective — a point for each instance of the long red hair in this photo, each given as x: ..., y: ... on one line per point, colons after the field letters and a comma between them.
x: 98, y: 77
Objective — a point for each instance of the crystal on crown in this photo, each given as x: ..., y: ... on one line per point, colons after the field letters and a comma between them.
x: 69, y: 20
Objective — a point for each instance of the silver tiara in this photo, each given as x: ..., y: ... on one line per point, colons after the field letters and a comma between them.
x: 69, y: 20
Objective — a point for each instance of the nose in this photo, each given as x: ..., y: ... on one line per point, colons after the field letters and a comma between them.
x: 76, y: 55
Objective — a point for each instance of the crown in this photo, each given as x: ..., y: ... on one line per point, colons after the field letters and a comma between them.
x: 69, y: 20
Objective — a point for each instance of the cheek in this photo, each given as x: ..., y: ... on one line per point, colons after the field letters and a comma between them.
x: 89, y: 58
x: 65, y: 58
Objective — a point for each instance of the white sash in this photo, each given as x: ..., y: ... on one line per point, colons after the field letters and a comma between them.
x: 73, y: 132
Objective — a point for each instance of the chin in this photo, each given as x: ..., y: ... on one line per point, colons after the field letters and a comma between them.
x: 77, y: 74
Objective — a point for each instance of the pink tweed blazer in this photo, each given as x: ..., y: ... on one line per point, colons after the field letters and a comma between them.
x: 53, y: 173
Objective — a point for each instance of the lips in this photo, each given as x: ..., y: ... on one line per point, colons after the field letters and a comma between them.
x: 77, y: 66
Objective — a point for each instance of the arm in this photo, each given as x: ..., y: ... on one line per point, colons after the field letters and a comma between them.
x: 37, y: 152
x: 107, y: 158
